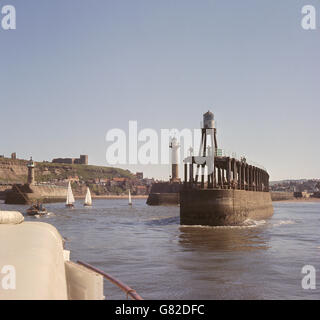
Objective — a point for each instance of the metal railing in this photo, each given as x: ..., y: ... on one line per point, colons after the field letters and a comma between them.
x: 129, y: 292
x: 226, y: 153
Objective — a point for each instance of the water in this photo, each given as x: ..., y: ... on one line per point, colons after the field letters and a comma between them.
x: 147, y: 249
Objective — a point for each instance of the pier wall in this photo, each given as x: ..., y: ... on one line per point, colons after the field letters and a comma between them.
x: 3, y: 191
x: 26, y: 194
x: 165, y: 187
x: 164, y: 193
x: 217, y: 207
x: 163, y: 199
x: 281, y: 196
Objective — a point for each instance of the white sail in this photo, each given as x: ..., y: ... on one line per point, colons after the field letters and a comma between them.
x: 130, y: 202
x: 88, y: 200
x: 70, y: 197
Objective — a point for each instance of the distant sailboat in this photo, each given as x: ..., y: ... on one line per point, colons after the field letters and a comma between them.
x: 70, y: 198
x: 130, y: 201
x: 88, y: 200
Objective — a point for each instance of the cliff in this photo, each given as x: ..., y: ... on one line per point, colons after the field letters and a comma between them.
x: 13, y: 171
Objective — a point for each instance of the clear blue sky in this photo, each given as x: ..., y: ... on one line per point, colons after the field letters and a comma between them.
x: 74, y: 69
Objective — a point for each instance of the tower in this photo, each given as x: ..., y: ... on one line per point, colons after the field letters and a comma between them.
x: 31, y: 178
x: 174, y: 145
x: 208, y: 131
x: 83, y: 159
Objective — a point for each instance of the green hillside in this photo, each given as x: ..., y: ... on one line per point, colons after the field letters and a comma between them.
x: 50, y: 171
x: 16, y: 171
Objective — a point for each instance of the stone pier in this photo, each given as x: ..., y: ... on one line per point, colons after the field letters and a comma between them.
x: 234, y: 192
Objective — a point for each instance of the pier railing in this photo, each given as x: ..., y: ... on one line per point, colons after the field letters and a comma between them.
x: 230, y: 154
x: 224, y: 173
x: 128, y: 291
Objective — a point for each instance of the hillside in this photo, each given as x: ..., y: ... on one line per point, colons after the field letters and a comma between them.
x: 307, y: 185
x: 15, y: 171
x: 51, y: 171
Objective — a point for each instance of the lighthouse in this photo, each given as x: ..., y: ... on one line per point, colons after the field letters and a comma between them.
x: 31, y: 179
x: 208, y: 133
x: 174, y: 145
x: 206, y: 157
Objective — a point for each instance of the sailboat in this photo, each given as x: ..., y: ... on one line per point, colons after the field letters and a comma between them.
x: 130, y: 201
x: 88, y: 200
x: 70, y: 198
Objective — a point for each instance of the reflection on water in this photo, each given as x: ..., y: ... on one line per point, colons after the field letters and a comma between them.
x: 147, y: 248
x: 222, y: 238
x: 162, y: 221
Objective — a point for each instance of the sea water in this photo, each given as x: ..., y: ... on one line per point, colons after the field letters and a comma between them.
x: 148, y: 249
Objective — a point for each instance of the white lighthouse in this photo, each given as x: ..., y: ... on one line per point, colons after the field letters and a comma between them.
x: 174, y: 145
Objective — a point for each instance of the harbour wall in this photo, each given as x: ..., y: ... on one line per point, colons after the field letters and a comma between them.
x: 281, y: 196
x: 218, y: 207
x: 173, y: 198
x: 164, y: 193
x: 26, y: 194
x: 163, y: 199
x: 3, y: 191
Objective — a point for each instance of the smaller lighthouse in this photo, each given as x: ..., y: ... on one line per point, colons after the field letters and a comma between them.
x: 174, y: 145
x: 31, y: 178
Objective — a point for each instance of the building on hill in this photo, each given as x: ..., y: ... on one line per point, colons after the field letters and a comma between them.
x: 141, y: 190
x: 148, y: 182
x: 82, y: 160
x: 139, y: 175
x: 101, y: 181
x: 118, y: 182
x: 73, y: 179
x: 63, y: 160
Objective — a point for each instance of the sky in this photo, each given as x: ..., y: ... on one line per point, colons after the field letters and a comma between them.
x: 75, y: 69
